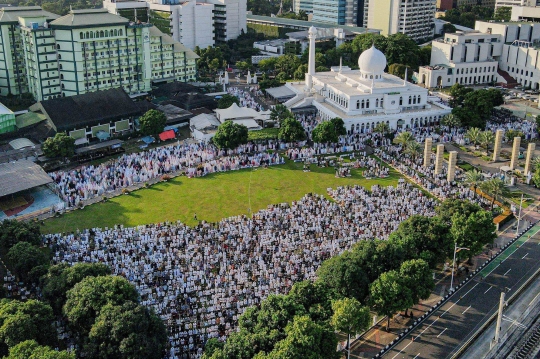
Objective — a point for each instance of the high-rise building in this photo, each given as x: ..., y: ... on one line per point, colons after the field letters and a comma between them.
x: 193, y: 23
x: 85, y: 51
x: 499, y: 3
x: 303, y: 5
x: 414, y: 18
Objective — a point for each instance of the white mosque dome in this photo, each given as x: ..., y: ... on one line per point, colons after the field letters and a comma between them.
x: 372, y: 61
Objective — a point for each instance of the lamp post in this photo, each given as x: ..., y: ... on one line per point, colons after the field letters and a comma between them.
x: 456, y: 249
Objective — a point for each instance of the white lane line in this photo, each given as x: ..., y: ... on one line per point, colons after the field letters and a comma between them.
x: 525, y: 255
x: 508, y: 271
x: 428, y: 327
x: 442, y: 332
x: 402, y: 350
x: 469, y: 291
x: 534, y: 299
x: 488, y: 290
x: 449, y: 308
x: 466, y: 310
x: 416, y: 356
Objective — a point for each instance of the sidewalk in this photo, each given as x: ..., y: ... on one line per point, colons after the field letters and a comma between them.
x: 377, y: 337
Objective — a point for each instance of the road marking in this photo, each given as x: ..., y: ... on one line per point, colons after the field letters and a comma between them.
x: 466, y: 309
x: 442, y: 332
x: 525, y: 255
x: 416, y: 356
x: 469, y: 291
x: 402, y: 350
x: 488, y: 289
x: 428, y: 327
x: 508, y: 271
x: 534, y: 299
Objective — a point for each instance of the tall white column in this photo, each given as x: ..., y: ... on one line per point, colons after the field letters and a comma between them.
x: 530, y: 153
x: 427, y: 151
x: 452, y: 159
x: 312, y: 35
x: 439, y: 159
x: 515, y: 153
x: 498, y: 143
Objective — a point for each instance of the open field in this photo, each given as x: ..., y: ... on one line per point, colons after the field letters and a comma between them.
x: 212, y: 197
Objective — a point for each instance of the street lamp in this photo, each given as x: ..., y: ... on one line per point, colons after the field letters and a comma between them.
x: 456, y: 249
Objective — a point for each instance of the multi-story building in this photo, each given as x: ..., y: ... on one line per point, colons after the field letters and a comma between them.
x: 336, y: 12
x: 512, y: 48
x: 91, y: 50
x: 7, y: 119
x: 303, y: 5
x: 499, y: 3
x: 17, y: 42
x: 464, y: 58
x: 192, y: 23
x: 410, y: 17
x: 525, y: 13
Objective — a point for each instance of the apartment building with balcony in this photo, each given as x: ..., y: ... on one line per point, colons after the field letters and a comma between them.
x: 91, y: 50
x: 414, y: 18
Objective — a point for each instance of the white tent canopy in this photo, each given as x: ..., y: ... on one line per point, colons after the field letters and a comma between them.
x: 234, y: 112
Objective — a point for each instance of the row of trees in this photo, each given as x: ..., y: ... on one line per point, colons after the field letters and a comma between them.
x: 102, y: 310
x: 388, y: 276
x: 467, y: 15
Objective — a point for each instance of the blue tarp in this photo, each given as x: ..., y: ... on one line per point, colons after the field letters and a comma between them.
x: 174, y: 128
x: 148, y: 139
x: 102, y: 135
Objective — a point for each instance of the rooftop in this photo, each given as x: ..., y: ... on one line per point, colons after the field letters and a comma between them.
x: 89, y: 17
x: 21, y: 175
x: 306, y: 24
x: 11, y: 14
x: 4, y: 110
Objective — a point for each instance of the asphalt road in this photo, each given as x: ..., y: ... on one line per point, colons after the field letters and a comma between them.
x: 445, y: 331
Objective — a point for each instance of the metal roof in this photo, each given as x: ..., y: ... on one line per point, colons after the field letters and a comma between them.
x: 21, y: 175
x: 306, y: 24
x: 11, y: 14
x: 89, y: 17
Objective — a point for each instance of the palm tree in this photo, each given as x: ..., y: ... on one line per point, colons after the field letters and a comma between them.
x: 486, y: 139
x: 382, y: 128
x: 474, y: 179
x: 451, y: 121
x: 413, y: 149
x: 496, y: 188
x: 404, y: 139
x: 536, y: 163
x: 473, y: 135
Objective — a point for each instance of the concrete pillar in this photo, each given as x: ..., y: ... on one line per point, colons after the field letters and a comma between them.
x: 427, y: 152
x: 312, y: 35
x: 528, y: 159
x: 515, y: 153
x: 498, y: 143
x: 439, y: 159
x: 452, y: 160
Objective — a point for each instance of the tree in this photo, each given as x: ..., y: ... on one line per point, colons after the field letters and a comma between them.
x: 13, y: 232
x: 388, y: 295
x: 473, y: 135
x: 383, y: 128
x: 152, y: 122
x: 268, y: 64
x: 287, y: 64
x: 30, y: 349
x: 451, y: 121
x: 60, y: 278
x: 291, y: 130
x: 230, y: 135
x: 503, y: 13
x: 23, y: 257
x: 129, y: 330
x: 86, y: 299
x: 227, y: 100
x: 449, y: 28
x: 414, y: 149
x: 418, y: 277
x: 399, y: 71
x: 324, y: 132
x: 306, y: 339
x: 279, y: 113
x: 511, y: 134
x: 473, y: 178
x: 339, y: 126
x: 243, y: 65
x: 349, y: 317
x: 30, y: 320
x: 421, y: 237
x: 344, y: 276
x: 61, y: 145
x: 314, y: 297
x: 474, y: 231
x: 404, y: 139
x: 458, y: 93
x: 486, y: 139
x: 496, y: 188
x: 449, y: 207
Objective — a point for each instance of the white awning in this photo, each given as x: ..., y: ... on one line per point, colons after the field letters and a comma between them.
x: 21, y: 143
x: 280, y: 92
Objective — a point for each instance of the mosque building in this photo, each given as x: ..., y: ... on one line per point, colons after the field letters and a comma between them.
x: 366, y: 97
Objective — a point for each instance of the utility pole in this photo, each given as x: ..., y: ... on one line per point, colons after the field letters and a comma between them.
x: 499, y: 319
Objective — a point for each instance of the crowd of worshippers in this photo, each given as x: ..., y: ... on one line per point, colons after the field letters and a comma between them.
x: 245, y: 97
x: 201, y: 279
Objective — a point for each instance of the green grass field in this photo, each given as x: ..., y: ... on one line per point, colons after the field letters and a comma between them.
x: 212, y: 197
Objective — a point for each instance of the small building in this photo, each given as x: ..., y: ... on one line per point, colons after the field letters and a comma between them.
x: 7, y: 119
x: 84, y: 116
x: 204, y: 126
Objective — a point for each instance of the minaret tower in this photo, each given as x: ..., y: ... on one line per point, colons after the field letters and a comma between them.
x: 312, y: 34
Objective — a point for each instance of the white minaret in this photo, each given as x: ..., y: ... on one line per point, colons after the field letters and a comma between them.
x: 312, y: 34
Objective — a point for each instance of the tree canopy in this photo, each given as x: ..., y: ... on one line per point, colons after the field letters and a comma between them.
x: 152, y: 122
x: 473, y: 231
x: 61, y: 145
x: 325, y: 132
x: 389, y: 295
x: 13, y: 232
x: 230, y: 135
x: 279, y: 113
x: 227, y: 100
x: 291, y: 130
x: 30, y: 349
x: 23, y: 258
